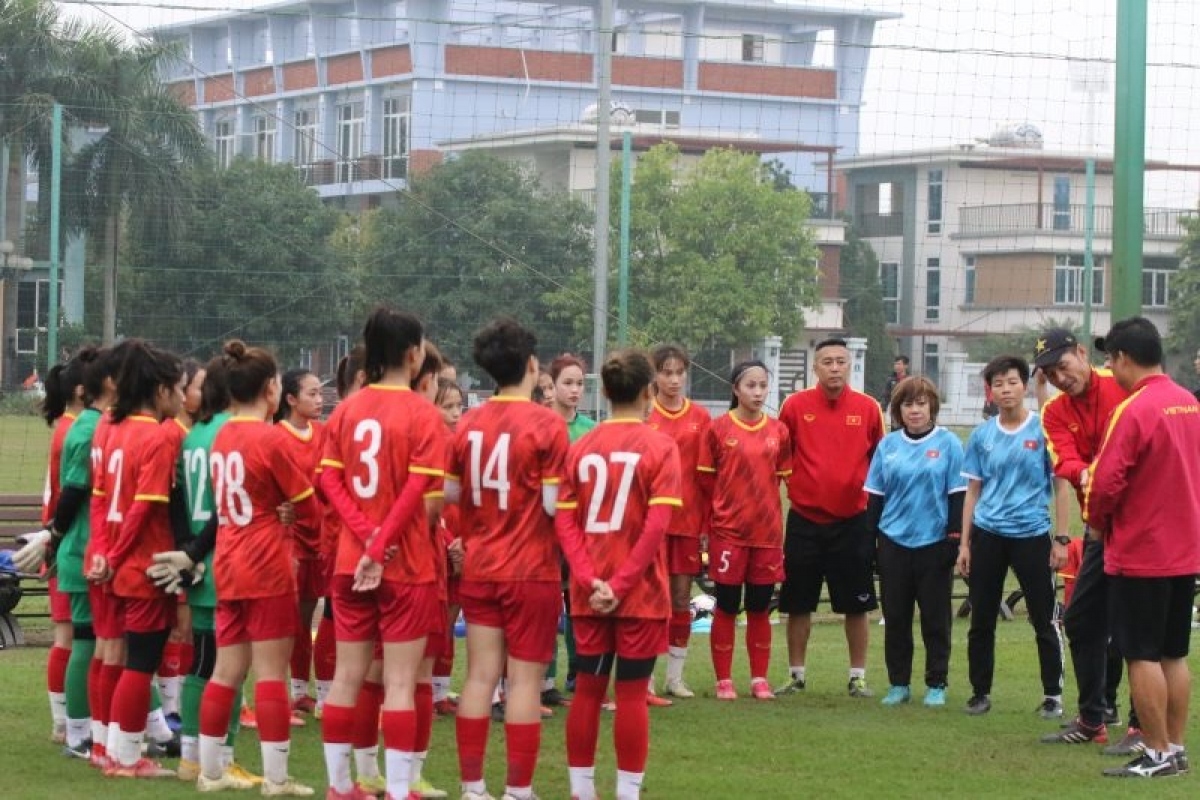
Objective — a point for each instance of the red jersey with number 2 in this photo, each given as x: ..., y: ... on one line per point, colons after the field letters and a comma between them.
x: 748, y: 460
x: 688, y: 427
x: 139, y: 466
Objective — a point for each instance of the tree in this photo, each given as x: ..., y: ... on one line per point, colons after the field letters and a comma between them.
x: 472, y: 238
x: 251, y: 259
x: 1021, y: 340
x: 719, y: 257
x: 1185, y: 299
x: 863, y: 311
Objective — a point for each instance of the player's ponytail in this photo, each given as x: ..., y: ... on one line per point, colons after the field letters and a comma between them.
x: 388, y: 336
x: 144, y: 370
x: 247, y: 370
x: 214, y: 392
x: 625, y: 375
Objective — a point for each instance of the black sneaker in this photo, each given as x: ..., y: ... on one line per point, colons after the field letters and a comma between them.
x: 168, y: 748
x: 1145, y: 767
x: 497, y: 712
x: 1131, y: 744
x: 978, y: 705
x: 1181, y: 762
x: 1078, y: 732
x: 1050, y: 708
x: 553, y: 697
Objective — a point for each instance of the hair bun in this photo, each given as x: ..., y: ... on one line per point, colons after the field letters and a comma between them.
x: 235, y: 349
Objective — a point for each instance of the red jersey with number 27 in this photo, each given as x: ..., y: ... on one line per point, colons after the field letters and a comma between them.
x: 614, y: 474
x: 688, y: 427
x: 748, y: 461
x: 504, y: 452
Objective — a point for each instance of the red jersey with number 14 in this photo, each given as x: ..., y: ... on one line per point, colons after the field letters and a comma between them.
x: 748, y: 461
x: 504, y: 452
x: 376, y: 439
x: 614, y: 474
x: 688, y: 427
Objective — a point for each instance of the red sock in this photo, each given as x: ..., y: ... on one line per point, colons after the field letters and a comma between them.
x: 168, y: 666
x: 758, y: 642
x: 400, y: 731
x: 720, y: 641
x: 523, y: 739
x: 337, y: 725
x: 366, y: 715
x: 109, y: 675
x: 471, y: 734
x: 216, y: 707
x: 131, y: 700
x: 56, y: 668
x: 631, y: 725
x: 302, y: 651
x: 187, y: 654
x: 274, y: 711
x: 680, y: 628
x: 583, y: 719
x: 423, y: 699
x: 324, y: 652
x: 98, y: 710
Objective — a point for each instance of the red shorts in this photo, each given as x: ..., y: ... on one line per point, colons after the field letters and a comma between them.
x: 311, y: 581
x: 260, y: 619
x: 526, y: 611
x: 60, y: 603
x: 627, y: 637
x: 108, y: 612
x: 393, y: 613
x: 734, y: 564
x: 683, y: 555
x: 149, y: 616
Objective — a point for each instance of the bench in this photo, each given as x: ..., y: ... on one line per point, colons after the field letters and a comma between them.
x: 21, y: 513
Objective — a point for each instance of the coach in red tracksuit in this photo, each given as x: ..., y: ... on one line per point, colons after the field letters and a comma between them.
x: 1144, y: 498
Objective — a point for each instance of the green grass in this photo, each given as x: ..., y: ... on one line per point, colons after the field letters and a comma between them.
x: 819, y: 744
x: 24, y: 444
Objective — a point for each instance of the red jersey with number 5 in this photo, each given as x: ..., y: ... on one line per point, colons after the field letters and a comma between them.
x: 614, y: 474
x: 748, y: 460
x: 377, y: 438
x: 688, y: 427
x: 249, y: 480
x: 504, y: 452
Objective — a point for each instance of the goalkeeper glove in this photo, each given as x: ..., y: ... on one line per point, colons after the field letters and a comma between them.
x: 32, y: 555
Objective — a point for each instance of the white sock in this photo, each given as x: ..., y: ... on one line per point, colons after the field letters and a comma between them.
x: 168, y: 693
x: 583, y: 782
x: 1174, y: 748
x: 399, y: 771
x: 418, y: 766
x: 497, y: 695
x: 226, y: 755
x: 858, y: 672
x: 547, y: 684
x: 210, y: 756
x: 629, y: 785
x: 323, y: 688
x: 157, y: 727
x: 189, y: 748
x: 476, y: 787
x: 366, y: 761
x: 299, y: 689
x: 129, y: 747
x: 58, y: 708
x: 275, y: 761
x: 77, y: 731
x: 111, y: 739
x: 441, y: 687
x: 337, y: 765
x: 99, y: 732
x: 797, y: 673
x: 519, y: 792
x: 676, y: 656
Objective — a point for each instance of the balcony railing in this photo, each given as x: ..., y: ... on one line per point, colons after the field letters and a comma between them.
x: 872, y: 225
x: 1039, y: 217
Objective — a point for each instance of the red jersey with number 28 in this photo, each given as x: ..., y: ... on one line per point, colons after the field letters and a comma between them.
x: 688, y: 427
x: 748, y: 461
x: 504, y: 452
x: 614, y: 474
x: 249, y: 480
x: 377, y: 438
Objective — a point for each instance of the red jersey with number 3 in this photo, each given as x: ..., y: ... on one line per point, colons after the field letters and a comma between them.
x: 305, y: 448
x: 139, y: 465
x: 688, y: 427
x: 377, y: 438
x: 748, y: 461
x: 53, y: 484
x: 504, y: 452
x: 614, y: 474
x: 249, y: 480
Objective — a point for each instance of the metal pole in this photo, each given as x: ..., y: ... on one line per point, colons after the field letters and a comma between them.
x: 1129, y: 159
x: 1089, y: 232
x: 604, y: 34
x: 55, y: 202
x: 623, y: 262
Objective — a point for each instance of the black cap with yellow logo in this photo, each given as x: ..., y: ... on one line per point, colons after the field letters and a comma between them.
x: 1051, y: 345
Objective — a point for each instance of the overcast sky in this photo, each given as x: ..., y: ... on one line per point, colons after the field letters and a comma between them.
x: 951, y: 71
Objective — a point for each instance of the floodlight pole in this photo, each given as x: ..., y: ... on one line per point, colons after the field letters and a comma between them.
x: 55, y: 202
x: 604, y: 32
x: 1129, y: 159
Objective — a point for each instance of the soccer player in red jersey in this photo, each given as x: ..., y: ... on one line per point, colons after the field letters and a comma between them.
x: 506, y: 464
x: 688, y: 424
x: 449, y: 400
x: 747, y: 453
x: 384, y: 453
x: 298, y: 415
x: 252, y: 568
x: 139, y: 461
x: 619, y: 490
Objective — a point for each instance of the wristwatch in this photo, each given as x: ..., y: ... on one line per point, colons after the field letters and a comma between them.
x: 1063, y: 540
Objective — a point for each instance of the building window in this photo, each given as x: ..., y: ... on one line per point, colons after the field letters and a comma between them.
x: 1156, y: 287
x: 932, y: 363
x: 224, y: 141
x: 935, y: 201
x: 1068, y: 281
x: 889, y: 278
x: 969, y: 281
x: 753, y: 46
x: 656, y: 117
x: 349, y: 140
x: 395, y: 137
x: 933, y: 289
x: 1062, y: 203
x: 304, y: 128
x: 264, y: 138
